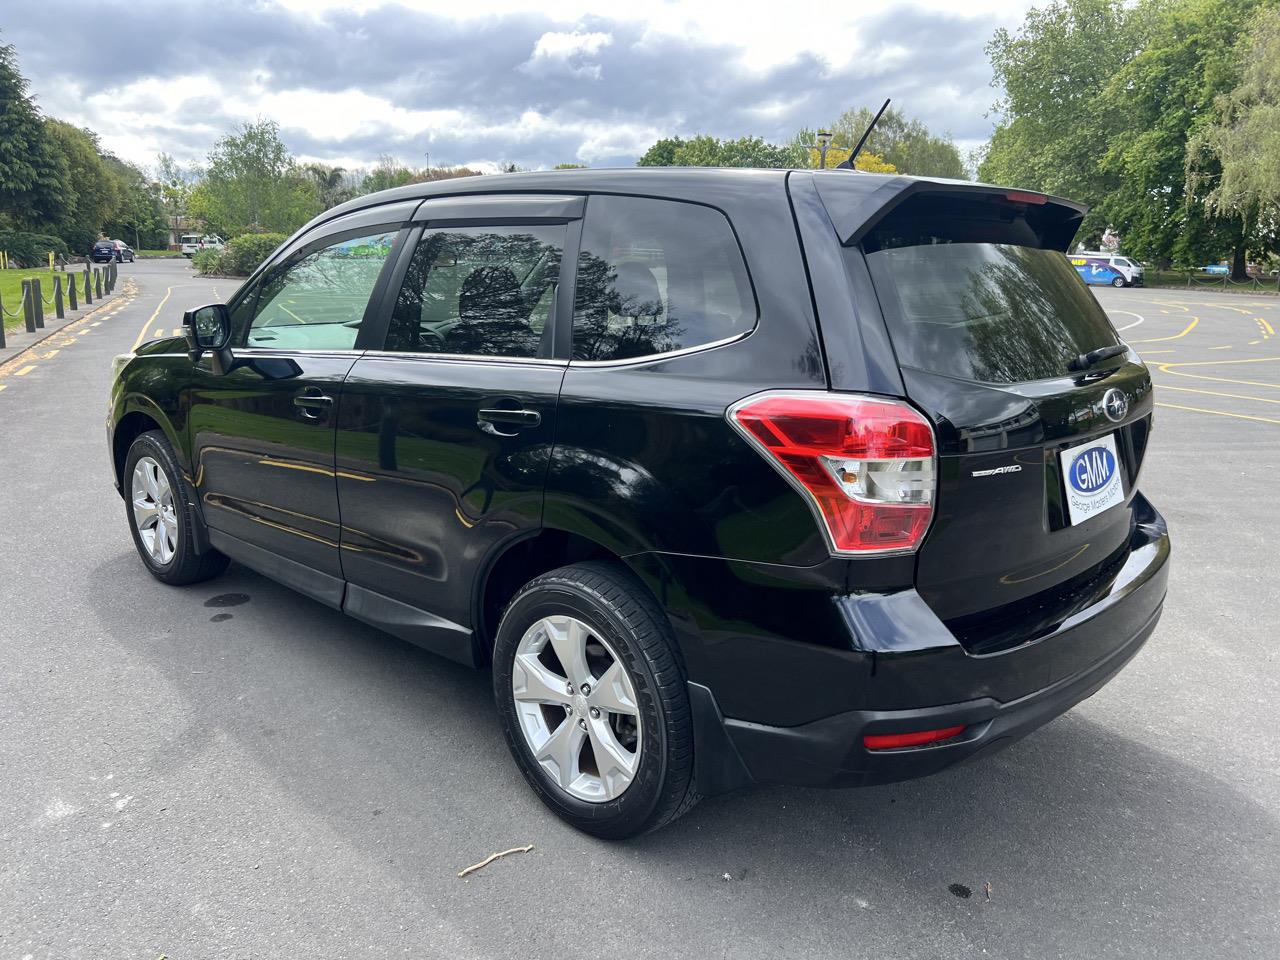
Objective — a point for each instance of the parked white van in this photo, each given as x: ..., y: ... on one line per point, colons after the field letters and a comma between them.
x: 1108, y: 269
x: 193, y: 243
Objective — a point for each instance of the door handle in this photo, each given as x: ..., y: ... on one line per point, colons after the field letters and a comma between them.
x: 312, y: 404
x: 489, y: 419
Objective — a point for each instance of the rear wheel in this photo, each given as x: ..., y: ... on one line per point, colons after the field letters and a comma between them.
x: 1118, y: 282
x: 592, y: 701
x: 157, y: 499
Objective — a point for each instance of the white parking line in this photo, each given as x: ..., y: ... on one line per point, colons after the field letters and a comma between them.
x: 1129, y: 326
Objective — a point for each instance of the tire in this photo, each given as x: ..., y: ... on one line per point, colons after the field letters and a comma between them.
x: 625, y: 625
x: 167, y: 548
x: 1118, y: 282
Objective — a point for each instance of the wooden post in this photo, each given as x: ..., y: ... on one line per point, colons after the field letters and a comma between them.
x: 58, y: 309
x: 71, y: 291
x: 28, y: 306
x: 88, y: 285
x: 97, y: 283
x: 38, y: 300
x: 2, y: 343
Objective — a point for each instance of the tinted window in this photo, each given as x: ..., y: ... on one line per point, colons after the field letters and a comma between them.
x: 656, y: 276
x: 992, y: 312
x: 316, y: 300
x: 479, y: 291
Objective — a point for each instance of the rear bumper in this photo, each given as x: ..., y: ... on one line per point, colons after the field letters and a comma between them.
x: 1010, y: 694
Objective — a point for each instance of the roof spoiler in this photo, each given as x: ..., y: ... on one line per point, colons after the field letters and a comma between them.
x: 858, y: 204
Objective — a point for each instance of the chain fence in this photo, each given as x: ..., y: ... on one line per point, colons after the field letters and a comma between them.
x: 98, y: 282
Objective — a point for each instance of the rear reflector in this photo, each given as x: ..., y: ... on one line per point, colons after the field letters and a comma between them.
x: 864, y: 463
x: 896, y: 741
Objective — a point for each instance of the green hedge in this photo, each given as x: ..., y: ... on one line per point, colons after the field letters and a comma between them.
x: 240, y: 257
x: 244, y: 253
x: 30, y: 249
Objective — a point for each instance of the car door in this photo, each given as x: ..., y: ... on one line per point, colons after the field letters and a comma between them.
x: 263, y: 431
x: 445, y: 434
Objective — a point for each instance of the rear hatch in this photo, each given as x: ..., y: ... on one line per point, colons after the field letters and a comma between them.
x: 1039, y: 444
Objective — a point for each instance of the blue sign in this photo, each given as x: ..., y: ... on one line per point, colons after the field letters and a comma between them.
x: 1092, y: 469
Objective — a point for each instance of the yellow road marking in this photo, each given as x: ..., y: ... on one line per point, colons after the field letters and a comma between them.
x: 1225, y: 346
x: 95, y: 323
x: 25, y: 370
x: 1270, y: 329
x: 1217, y: 363
x: 1217, y: 393
x: 1218, y: 413
x: 4, y: 386
x: 143, y: 333
x: 1252, y: 342
x: 1190, y: 326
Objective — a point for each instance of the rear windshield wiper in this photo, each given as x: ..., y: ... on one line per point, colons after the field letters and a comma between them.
x: 1087, y: 360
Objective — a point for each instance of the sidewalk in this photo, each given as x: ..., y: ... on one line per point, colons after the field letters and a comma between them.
x: 16, y: 341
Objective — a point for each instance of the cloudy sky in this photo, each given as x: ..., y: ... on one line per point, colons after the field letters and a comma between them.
x: 481, y: 81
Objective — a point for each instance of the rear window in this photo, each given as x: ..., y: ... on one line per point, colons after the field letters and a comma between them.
x: 104, y: 244
x: 990, y: 312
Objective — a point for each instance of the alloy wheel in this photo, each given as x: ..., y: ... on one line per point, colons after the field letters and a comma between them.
x: 153, y: 510
x: 577, y: 708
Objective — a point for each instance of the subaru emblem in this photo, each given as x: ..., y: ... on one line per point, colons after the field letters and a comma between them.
x: 1115, y: 405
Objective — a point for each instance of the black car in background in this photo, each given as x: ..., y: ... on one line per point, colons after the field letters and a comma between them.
x: 104, y: 251
x: 821, y: 478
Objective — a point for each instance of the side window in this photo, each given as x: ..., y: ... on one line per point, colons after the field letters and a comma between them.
x: 479, y: 291
x: 316, y: 301
x: 656, y: 276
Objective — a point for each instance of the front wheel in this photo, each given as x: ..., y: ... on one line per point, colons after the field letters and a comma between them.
x: 1118, y: 282
x: 592, y: 701
x: 157, y: 499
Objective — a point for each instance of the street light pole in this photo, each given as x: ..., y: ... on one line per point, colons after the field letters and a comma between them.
x: 824, y: 142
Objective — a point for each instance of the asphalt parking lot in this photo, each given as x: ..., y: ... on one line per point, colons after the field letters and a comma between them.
x: 231, y: 770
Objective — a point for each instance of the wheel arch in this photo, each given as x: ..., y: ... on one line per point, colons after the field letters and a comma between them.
x: 519, y: 561
x: 139, y: 416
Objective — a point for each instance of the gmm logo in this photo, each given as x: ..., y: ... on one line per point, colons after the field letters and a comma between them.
x: 1092, y: 469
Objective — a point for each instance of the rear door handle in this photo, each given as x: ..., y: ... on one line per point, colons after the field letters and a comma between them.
x: 489, y: 418
x: 312, y: 403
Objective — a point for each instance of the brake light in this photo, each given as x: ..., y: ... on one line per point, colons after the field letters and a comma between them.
x: 1019, y: 196
x: 864, y: 463
x: 897, y: 741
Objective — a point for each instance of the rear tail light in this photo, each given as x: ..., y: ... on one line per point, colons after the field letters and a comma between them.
x: 899, y: 741
x: 864, y: 463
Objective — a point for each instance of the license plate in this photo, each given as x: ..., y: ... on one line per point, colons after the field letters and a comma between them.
x: 1092, y: 474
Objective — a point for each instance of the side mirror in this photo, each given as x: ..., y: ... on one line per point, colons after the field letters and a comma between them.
x: 208, y: 328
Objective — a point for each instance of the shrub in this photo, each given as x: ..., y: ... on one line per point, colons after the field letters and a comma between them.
x: 244, y: 253
x: 30, y: 249
x: 209, y: 262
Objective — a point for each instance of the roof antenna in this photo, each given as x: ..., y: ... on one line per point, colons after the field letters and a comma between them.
x: 848, y: 164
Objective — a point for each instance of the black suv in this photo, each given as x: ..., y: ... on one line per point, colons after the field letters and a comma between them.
x: 732, y: 476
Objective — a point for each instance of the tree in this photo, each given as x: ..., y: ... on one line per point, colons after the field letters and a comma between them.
x: 903, y: 143
x: 1055, y: 126
x: 1166, y: 96
x: 139, y: 215
x: 173, y: 188
x: 1243, y: 145
x: 708, y: 151
x: 90, y: 194
x: 253, y: 185
x: 661, y: 154
x: 570, y: 166
x: 837, y: 155
x: 33, y: 175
